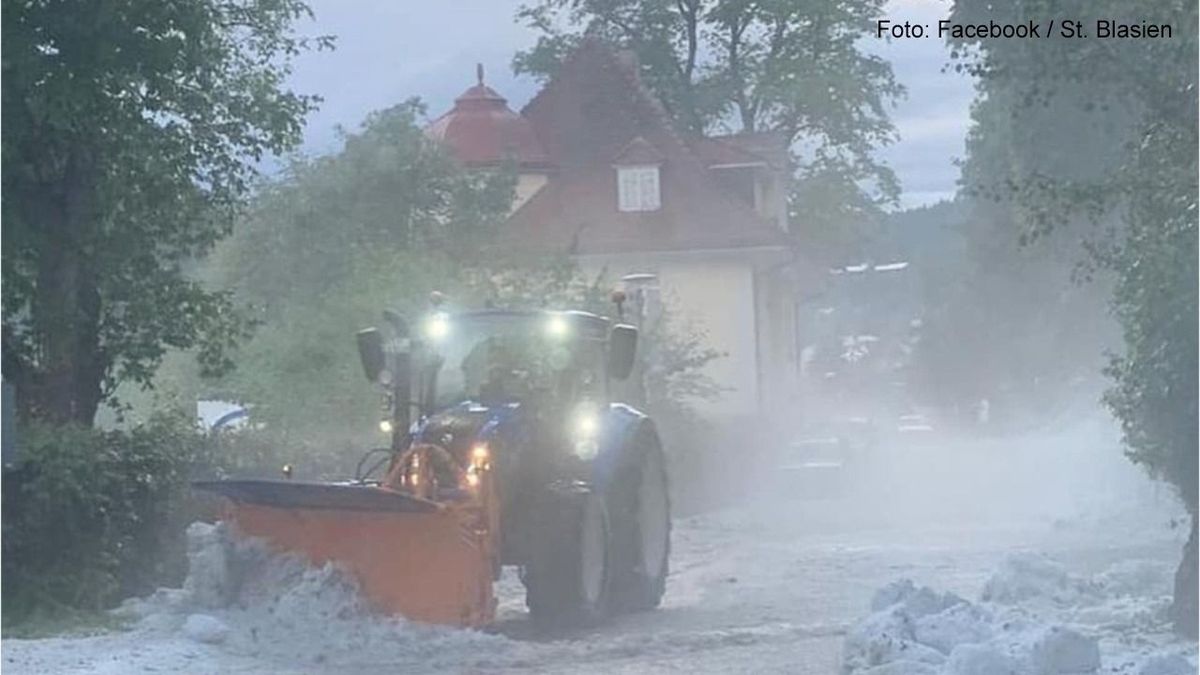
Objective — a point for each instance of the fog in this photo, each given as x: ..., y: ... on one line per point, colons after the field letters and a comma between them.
x: 593, y: 336
x: 1066, y: 473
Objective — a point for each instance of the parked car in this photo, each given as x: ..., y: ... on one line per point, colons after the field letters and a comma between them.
x: 820, y: 461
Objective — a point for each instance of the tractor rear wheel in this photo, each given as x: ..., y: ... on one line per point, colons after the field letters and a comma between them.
x: 644, y: 541
x: 567, y: 577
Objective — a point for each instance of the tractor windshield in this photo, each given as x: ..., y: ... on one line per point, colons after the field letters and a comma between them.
x: 494, y: 360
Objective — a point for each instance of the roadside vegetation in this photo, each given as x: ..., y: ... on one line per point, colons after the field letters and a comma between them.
x: 130, y: 139
x: 1086, y: 150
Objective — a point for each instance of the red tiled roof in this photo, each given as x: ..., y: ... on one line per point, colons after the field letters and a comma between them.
x: 767, y: 148
x: 638, y: 151
x: 595, y: 109
x: 772, y: 145
x: 482, y: 130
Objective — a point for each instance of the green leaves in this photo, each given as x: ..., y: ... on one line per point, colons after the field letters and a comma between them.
x: 132, y: 132
x: 389, y: 191
x: 93, y: 516
x: 1075, y: 134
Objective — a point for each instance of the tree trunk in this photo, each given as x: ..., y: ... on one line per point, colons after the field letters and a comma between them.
x: 1185, y: 607
x: 66, y: 309
x: 690, y: 11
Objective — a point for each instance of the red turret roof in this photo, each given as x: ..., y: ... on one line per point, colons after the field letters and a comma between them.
x: 481, y: 129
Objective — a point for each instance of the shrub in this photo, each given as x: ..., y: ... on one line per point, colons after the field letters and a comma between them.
x: 92, y: 516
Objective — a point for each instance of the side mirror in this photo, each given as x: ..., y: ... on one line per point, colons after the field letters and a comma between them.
x: 370, y: 352
x: 622, y: 347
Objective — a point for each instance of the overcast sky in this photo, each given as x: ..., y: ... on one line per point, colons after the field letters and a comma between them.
x: 390, y: 51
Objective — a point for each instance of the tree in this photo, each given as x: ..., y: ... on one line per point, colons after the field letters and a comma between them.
x: 1131, y: 105
x: 1155, y: 300
x: 389, y: 190
x: 131, y: 134
x: 324, y: 247
x: 745, y: 66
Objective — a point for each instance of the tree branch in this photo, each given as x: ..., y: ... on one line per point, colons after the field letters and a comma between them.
x: 774, y: 49
x: 737, y: 29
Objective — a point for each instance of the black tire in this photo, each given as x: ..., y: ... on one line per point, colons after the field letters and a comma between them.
x: 567, y: 576
x: 640, y: 502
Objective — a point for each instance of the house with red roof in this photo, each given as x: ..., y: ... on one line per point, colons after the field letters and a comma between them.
x: 698, y: 224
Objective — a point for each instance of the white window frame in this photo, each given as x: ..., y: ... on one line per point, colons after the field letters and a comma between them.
x: 638, y: 188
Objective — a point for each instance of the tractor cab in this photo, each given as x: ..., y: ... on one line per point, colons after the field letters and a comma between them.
x: 551, y: 362
x: 503, y: 357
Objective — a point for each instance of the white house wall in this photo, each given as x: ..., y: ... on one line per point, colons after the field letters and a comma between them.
x: 778, y: 372
x: 717, y: 298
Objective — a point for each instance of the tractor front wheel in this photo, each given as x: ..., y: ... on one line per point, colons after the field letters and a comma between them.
x: 644, y: 532
x: 567, y: 575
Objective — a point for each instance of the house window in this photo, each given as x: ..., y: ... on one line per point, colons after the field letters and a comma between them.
x: 637, y: 188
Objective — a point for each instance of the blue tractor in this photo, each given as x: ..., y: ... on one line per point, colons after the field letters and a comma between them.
x: 508, y: 447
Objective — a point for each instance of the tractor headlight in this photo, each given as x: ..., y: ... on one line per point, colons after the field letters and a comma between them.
x: 585, y: 433
x: 557, y: 327
x: 437, y: 326
x: 586, y: 423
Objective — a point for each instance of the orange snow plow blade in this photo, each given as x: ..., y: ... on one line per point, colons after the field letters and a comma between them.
x: 428, y: 561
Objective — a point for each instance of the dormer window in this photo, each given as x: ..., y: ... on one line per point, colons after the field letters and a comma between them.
x: 637, y: 167
x: 638, y: 188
